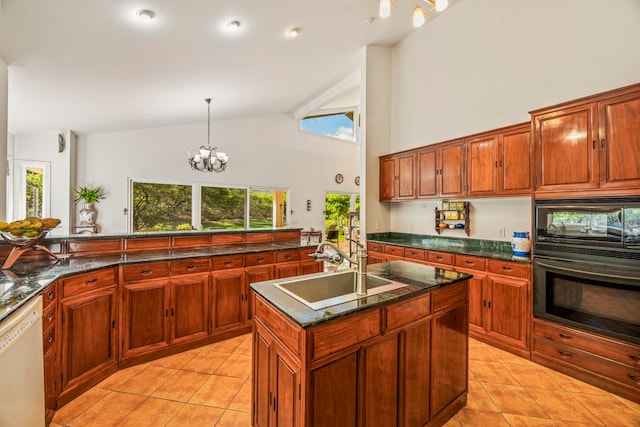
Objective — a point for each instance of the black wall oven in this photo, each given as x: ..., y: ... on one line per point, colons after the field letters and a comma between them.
x: 587, y: 264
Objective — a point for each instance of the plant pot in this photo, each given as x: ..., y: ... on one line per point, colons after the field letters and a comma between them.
x: 87, y: 214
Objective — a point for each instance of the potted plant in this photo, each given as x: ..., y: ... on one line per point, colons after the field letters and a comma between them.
x: 89, y: 196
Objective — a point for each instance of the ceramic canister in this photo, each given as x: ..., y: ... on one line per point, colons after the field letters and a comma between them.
x: 521, y: 243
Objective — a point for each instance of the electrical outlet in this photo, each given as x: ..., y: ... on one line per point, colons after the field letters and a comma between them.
x: 410, y: 227
x: 377, y: 225
x: 500, y: 231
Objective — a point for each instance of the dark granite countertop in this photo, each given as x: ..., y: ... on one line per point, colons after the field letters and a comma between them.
x: 482, y: 248
x: 418, y: 278
x: 26, y: 279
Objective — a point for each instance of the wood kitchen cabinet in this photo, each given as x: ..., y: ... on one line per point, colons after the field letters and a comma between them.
x: 589, y: 144
x: 440, y: 171
x: 50, y: 350
x: 230, y: 297
x: 398, y: 177
x: 88, y: 317
x: 499, y: 162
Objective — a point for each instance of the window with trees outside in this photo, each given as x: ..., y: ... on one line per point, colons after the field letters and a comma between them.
x: 158, y: 207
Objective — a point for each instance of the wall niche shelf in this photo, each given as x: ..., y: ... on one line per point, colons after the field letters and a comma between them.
x: 452, y: 216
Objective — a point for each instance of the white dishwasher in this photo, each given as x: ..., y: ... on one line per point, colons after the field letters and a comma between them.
x: 21, y: 370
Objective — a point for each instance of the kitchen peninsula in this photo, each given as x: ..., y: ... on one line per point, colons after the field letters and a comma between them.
x: 118, y: 300
x: 394, y: 358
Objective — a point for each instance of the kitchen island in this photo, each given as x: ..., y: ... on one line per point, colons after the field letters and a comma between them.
x: 394, y: 358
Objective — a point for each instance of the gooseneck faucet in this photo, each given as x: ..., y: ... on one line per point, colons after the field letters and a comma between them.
x: 360, y: 261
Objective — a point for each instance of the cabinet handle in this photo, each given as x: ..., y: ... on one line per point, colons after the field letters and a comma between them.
x: 595, y: 144
x: 439, y: 258
x: 287, y: 256
x: 146, y: 272
x: 228, y: 262
x: 565, y: 337
x: 275, y: 404
x: 488, y: 304
x: 191, y: 267
x: 469, y: 262
x: 500, y: 163
x: 269, y: 398
x: 565, y: 354
x: 260, y: 259
x: 172, y: 312
x: 496, y: 163
x: 50, y: 295
x: 91, y: 282
x: 602, y: 144
x: 50, y: 318
x: 166, y: 312
x: 50, y: 339
x: 484, y: 303
x: 505, y: 268
x: 634, y: 357
x: 634, y: 378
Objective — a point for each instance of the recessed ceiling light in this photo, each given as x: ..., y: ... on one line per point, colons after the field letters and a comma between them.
x: 370, y: 20
x: 145, y: 14
x: 294, y: 32
x: 233, y: 25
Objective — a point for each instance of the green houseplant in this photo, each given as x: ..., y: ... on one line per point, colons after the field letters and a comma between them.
x: 89, y: 195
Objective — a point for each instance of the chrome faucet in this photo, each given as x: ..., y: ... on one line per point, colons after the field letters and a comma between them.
x: 340, y: 256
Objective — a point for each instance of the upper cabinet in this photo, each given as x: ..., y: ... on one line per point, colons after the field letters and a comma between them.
x: 589, y: 144
x: 499, y: 162
x: 397, y: 177
x: 440, y: 170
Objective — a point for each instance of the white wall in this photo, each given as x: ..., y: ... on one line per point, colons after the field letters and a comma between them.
x: 484, y: 64
x: 266, y: 151
x: 4, y: 96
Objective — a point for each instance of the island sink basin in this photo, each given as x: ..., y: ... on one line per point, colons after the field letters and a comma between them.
x: 329, y: 289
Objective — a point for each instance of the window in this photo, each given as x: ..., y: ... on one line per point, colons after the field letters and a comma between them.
x: 171, y: 207
x: 161, y: 207
x: 336, y: 124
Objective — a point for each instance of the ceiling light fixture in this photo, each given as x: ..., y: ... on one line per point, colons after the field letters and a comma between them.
x: 208, y: 159
x: 294, y: 32
x: 233, y: 25
x: 419, y: 14
x: 145, y: 14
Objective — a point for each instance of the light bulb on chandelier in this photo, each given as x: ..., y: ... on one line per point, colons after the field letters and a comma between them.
x: 208, y: 159
x: 419, y: 14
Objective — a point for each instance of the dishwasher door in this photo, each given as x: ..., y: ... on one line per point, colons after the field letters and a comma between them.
x: 21, y: 367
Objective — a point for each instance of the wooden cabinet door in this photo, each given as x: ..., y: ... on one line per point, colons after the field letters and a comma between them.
x: 189, y: 308
x: 229, y: 293
x: 452, y: 170
x: 477, y: 300
x: 286, y: 390
x: 262, y: 395
x: 482, y: 165
x: 406, y: 177
x: 308, y: 267
x: 508, y: 310
x: 426, y: 170
x: 145, y: 317
x: 566, y: 149
x: 449, y: 355
x: 88, y: 335
x: 415, y: 381
x: 379, y: 393
x: 619, y: 145
x: 387, y: 179
x: 287, y: 269
x: 375, y: 258
x: 253, y: 275
x: 515, y: 160
x: 334, y: 390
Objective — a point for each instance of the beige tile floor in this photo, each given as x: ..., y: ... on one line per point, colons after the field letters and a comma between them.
x: 211, y: 386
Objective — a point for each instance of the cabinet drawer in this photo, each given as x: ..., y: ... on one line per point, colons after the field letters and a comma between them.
x: 449, y: 296
x: 417, y: 254
x: 337, y: 335
x: 259, y: 258
x: 189, y: 266
x: 87, y: 282
x: 49, y: 317
x: 394, y: 250
x: 375, y: 247
x: 620, y: 352
x: 227, y: 261
x: 151, y: 270
x: 95, y: 246
x: 227, y: 239
x: 283, y: 236
x: 258, y: 237
x: 147, y: 243
x: 190, y: 242
x: 279, y: 325
x: 472, y: 262
x: 48, y: 296
x: 610, y: 370
x: 440, y: 257
x: 48, y: 339
x: 509, y: 268
x: 407, y: 311
x: 286, y: 256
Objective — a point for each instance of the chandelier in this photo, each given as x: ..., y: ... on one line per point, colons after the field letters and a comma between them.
x: 208, y: 159
x: 419, y: 14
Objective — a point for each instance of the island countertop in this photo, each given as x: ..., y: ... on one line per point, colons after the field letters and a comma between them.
x: 26, y: 279
x: 418, y: 278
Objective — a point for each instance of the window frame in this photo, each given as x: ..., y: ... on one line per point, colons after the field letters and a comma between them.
x: 355, y: 111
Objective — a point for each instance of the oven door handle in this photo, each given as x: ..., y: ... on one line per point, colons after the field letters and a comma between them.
x: 593, y: 273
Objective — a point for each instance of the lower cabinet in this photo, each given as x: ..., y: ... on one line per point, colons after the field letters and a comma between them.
x: 88, y: 345
x: 230, y: 299
x: 404, y: 364
x: 507, y: 311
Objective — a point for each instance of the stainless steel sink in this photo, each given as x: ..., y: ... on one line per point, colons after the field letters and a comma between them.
x: 333, y: 288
